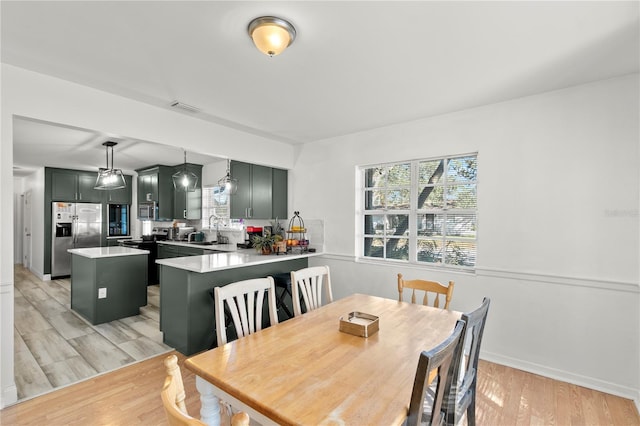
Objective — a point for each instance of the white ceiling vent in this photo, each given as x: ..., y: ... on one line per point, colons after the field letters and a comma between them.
x: 185, y: 107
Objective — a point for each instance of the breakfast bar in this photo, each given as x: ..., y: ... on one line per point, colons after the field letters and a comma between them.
x: 108, y: 283
x: 186, y: 305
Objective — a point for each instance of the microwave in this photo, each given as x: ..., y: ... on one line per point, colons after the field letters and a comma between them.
x: 148, y: 211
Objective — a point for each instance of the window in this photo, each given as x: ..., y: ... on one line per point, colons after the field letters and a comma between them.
x: 215, y: 201
x: 422, y: 211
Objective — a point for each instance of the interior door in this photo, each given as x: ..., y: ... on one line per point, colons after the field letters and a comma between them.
x: 26, y: 235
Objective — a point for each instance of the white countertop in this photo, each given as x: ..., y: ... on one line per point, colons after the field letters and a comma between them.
x: 218, y: 247
x: 100, y: 252
x: 221, y: 261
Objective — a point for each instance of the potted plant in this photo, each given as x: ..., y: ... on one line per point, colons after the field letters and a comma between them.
x: 279, y: 245
x: 263, y: 243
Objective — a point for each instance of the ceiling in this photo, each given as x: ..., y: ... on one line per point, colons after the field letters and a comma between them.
x: 354, y: 65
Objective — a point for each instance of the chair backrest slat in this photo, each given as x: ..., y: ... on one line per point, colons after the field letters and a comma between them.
x: 461, y: 385
x: 439, y: 359
x: 244, y: 301
x: 309, y: 284
x: 434, y: 287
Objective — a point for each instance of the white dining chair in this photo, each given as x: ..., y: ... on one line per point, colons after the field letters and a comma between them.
x: 308, y: 283
x: 244, y: 300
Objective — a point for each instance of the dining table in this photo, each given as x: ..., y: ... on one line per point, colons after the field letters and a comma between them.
x: 305, y: 371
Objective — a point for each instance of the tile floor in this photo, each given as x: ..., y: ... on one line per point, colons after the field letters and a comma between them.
x: 55, y: 347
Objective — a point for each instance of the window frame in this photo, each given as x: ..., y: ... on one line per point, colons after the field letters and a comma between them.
x: 207, y: 209
x: 411, y: 233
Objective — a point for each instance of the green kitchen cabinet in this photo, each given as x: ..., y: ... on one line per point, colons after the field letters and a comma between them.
x: 74, y: 186
x: 155, y: 184
x: 261, y: 193
x: 188, y: 205
x: 119, y: 196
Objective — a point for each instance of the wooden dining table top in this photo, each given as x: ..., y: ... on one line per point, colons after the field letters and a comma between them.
x: 305, y: 371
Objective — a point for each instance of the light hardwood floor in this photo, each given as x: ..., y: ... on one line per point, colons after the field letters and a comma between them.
x: 506, y: 396
x: 131, y: 395
x: 54, y: 347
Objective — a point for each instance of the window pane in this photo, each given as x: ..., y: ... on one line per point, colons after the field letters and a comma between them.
x: 430, y: 251
x: 373, y: 247
x: 373, y: 177
x: 374, y: 224
x: 461, y: 196
x: 399, y: 175
x: 461, y: 225
x: 430, y: 225
x: 430, y: 172
x: 461, y: 253
x: 462, y: 169
x: 397, y: 224
x: 374, y: 199
x: 431, y: 197
x: 398, y: 199
x: 398, y: 248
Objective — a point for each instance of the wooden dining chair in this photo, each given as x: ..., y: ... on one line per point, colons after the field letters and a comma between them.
x: 173, y: 397
x: 308, y: 283
x: 427, y: 397
x: 244, y: 300
x: 461, y: 387
x: 428, y: 287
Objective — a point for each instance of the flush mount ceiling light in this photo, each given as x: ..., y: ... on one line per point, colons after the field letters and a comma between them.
x: 110, y: 178
x: 185, y: 180
x: 271, y: 35
x: 230, y: 185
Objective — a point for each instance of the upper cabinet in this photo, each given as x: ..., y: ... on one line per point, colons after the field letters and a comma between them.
x: 188, y: 205
x: 261, y: 194
x: 77, y: 186
x: 119, y: 196
x: 155, y: 184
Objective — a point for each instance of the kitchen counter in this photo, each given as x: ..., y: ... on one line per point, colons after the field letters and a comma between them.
x: 216, y: 247
x: 101, y: 252
x: 221, y: 261
x: 186, y: 286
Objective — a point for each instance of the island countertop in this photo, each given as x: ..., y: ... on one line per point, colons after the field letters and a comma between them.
x: 221, y: 261
x: 102, y: 252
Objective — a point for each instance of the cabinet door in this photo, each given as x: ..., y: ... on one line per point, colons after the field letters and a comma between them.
x: 86, y: 193
x: 120, y: 196
x: 241, y: 200
x: 261, y: 202
x: 280, y: 194
x: 64, y: 185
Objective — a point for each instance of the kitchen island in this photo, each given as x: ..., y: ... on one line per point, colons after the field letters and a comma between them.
x: 108, y: 283
x: 186, y: 303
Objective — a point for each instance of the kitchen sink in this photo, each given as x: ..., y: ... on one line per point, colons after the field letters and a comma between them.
x: 202, y: 243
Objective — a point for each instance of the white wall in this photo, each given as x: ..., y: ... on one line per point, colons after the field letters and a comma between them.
x: 558, y: 225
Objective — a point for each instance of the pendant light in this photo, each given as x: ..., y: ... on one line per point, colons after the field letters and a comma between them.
x: 110, y: 178
x: 185, y: 180
x: 230, y: 185
x: 271, y: 35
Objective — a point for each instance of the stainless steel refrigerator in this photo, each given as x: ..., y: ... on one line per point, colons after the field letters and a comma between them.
x: 73, y: 225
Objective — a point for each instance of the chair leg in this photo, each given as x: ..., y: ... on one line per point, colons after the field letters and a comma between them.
x: 471, y: 411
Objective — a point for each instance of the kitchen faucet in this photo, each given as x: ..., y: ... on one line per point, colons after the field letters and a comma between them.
x: 218, y: 236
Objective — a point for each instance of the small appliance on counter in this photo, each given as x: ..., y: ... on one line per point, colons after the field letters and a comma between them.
x: 252, y: 231
x: 183, y: 233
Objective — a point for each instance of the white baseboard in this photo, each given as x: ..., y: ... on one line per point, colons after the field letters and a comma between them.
x: 564, y: 376
x: 9, y: 396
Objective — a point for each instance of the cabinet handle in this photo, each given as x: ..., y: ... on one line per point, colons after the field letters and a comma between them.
x: 184, y: 214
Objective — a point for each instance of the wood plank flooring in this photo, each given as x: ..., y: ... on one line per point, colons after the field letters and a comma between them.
x: 131, y: 395
x: 506, y: 396
x: 54, y: 347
